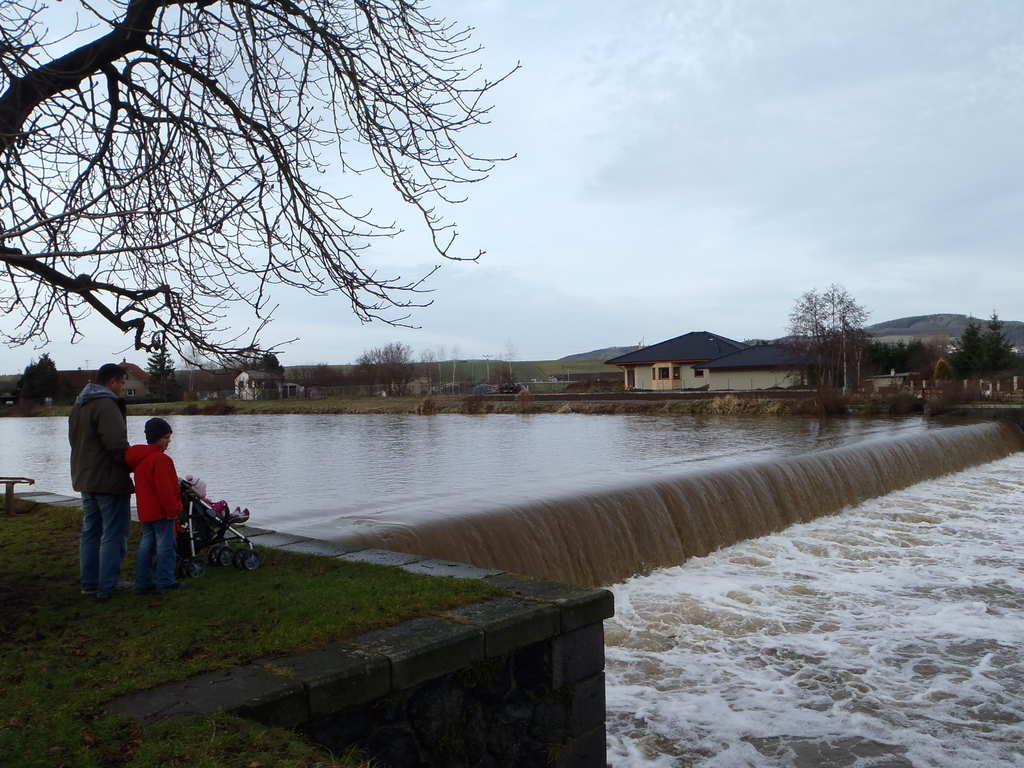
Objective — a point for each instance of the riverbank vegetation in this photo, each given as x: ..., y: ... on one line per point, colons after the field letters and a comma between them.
x: 824, y: 403
x: 65, y: 654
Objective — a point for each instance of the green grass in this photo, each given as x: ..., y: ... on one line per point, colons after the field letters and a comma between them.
x: 63, y: 654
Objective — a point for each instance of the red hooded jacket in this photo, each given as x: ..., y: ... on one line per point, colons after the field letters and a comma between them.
x: 156, y: 483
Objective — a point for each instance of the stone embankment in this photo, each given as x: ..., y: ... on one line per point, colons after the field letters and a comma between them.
x: 514, y: 681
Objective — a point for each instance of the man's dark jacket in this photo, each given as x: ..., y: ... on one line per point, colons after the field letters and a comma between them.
x: 98, y: 432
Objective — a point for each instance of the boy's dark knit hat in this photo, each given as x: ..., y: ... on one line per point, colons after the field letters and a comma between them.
x: 156, y: 428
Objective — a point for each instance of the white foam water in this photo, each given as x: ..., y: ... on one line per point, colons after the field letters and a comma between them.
x: 888, y: 635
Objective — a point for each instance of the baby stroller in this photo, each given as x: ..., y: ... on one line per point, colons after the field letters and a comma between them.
x: 205, y: 526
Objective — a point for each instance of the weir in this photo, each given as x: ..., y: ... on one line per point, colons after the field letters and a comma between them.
x: 606, y: 536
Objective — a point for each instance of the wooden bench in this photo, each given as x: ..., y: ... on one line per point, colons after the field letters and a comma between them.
x: 9, y: 483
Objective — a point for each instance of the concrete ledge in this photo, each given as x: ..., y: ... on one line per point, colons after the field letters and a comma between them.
x: 248, y: 690
x: 509, y: 623
x: 333, y: 674
x: 381, y: 557
x: 275, y: 540
x: 578, y: 606
x: 310, y: 547
x: 422, y: 649
x: 449, y: 568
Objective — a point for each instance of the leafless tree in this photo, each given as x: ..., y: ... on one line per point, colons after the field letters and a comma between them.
x: 390, y: 366
x: 827, y: 327
x: 177, y: 159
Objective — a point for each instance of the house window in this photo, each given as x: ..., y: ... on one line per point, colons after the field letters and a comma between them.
x: 698, y: 373
x: 663, y: 373
x: 654, y: 373
x: 675, y: 371
x: 129, y: 393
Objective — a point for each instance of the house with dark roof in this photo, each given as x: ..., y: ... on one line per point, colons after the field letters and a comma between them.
x: 762, y: 366
x: 674, y: 363
x: 136, y: 382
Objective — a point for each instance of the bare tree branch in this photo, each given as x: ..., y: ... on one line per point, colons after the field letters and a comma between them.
x: 180, y: 160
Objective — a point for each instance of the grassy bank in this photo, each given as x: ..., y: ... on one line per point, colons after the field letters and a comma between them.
x: 469, y: 404
x: 65, y: 654
x: 723, y: 405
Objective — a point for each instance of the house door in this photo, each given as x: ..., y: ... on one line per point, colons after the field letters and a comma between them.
x: 630, y: 378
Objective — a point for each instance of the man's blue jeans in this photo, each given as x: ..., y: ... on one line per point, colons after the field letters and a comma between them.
x: 104, y: 540
x: 156, y: 555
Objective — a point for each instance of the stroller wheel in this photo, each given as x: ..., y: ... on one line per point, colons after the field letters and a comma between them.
x: 213, y: 554
x: 225, y: 556
x: 195, y: 568
x: 247, y: 559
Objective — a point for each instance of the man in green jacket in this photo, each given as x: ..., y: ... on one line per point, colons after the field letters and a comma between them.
x: 98, y: 431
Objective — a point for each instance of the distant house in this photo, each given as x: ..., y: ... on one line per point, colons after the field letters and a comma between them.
x: 261, y: 385
x: 674, y: 363
x: 136, y: 383
x: 763, y: 366
x: 890, y: 382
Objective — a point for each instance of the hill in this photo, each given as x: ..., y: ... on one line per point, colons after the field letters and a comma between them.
x: 939, y: 326
x: 606, y: 353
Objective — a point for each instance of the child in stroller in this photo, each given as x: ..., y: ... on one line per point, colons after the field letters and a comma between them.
x: 210, y: 526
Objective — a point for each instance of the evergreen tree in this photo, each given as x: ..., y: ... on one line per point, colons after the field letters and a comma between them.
x: 996, y: 351
x: 162, y: 382
x: 40, y: 379
x: 969, y: 358
x: 270, y: 364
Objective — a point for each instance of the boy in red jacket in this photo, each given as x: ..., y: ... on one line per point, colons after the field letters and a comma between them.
x: 158, y: 496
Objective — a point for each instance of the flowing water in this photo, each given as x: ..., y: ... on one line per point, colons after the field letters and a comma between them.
x: 888, y: 635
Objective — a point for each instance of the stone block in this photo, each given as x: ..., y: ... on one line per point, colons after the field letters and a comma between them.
x: 335, y: 677
x: 578, y: 606
x: 578, y: 654
x: 585, y: 751
x: 248, y: 690
x: 587, y: 710
x: 381, y: 557
x: 450, y: 568
x: 313, y: 547
x: 423, y: 649
x: 252, y: 530
x: 509, y: 623
x: 275, y: 540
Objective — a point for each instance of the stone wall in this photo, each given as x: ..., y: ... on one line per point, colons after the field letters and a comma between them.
x: 514, y: 681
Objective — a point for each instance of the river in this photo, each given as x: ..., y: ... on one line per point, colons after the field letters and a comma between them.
x: 315, y: 474
x: 886, y: 635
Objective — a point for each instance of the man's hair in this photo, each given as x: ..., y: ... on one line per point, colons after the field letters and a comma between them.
x: 108, y: 372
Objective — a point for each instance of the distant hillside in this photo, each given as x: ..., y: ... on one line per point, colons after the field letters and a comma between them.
x: 601, y: 354
x: 937, y: 326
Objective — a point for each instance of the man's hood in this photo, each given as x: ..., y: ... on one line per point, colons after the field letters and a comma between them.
x: 136, y: 454
x: 92, y: 391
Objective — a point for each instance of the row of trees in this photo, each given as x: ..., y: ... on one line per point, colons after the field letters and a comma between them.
x: 827, y: 331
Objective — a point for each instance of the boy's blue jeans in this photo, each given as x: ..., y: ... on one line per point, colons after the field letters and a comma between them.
x: 156, y: 556
x: 104, y: 540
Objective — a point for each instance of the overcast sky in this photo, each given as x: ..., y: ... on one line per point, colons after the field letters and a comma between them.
x: 696, y: 165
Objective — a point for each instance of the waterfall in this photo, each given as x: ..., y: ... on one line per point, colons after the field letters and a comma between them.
x: 605, y: 536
